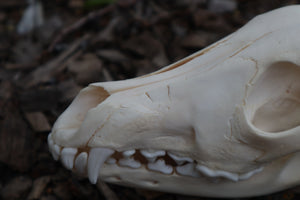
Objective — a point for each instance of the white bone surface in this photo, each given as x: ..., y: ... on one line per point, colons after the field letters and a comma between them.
x: 232, y: 111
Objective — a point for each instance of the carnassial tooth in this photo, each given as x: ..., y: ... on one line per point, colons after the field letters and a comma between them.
x: 180, y: 160
x: 67, y: 157
x: 97, y: 157
x: 128, y: 153
x: 160, y: 166
x: 217, y: 173
x: 152, y: 155
x: 129, y: 162
x: 187, y: 170
x: 80, y: 162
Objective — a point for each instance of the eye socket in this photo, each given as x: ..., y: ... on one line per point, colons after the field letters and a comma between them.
x: 274, y: 102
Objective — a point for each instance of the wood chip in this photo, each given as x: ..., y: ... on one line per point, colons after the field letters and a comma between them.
x: 16, y: 188
x: 39, y: 185
x: 38, y: 121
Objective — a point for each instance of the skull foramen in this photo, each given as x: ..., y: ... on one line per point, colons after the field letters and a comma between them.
x: 224, y: 119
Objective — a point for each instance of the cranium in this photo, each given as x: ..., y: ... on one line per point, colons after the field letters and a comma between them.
x: 224, y: 119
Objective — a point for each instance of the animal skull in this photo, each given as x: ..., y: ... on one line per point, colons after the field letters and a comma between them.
x: 224, y: 119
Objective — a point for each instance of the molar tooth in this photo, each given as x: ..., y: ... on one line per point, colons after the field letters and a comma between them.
x: 129, y: 162
x: 97, y: 157
x: 180, y: 160
x: 80, y: 162
x: 247, y: 175
x: 160, y: 166
x: 187, y: 170
x: 152, y: 155
x: 67, y: 157
x: 128, y: 153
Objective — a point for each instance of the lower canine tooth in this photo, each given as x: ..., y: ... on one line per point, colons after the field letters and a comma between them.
x: 160, y: 166
x: 80, y: 162
x: 187, y: 170
x: 152, y: 155
x: 67, y: 157
x: 180, y: 160
x: 96, y: 159
x: 130, y: 162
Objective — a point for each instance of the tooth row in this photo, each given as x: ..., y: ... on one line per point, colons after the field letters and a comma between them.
x: 91, y: 163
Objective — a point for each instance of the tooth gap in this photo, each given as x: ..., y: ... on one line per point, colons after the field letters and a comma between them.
x: 140, y: 158
x: 168, y: 160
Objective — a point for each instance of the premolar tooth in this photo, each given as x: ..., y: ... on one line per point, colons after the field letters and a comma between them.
x: 180, y: 160
x: 152, y: 155
x: 128, y: 153
x: 129, y: 162
x: 160, y: 166
x: 187, y: 170
x: 96, y: 159
x: 67, y: 157
x: 80, y: 162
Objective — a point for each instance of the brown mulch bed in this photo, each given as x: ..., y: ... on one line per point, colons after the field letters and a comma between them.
x: 42, y: 71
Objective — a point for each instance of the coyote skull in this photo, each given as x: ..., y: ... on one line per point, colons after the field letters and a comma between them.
x: 224, y: 119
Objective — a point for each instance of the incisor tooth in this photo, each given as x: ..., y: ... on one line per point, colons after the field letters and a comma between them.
x: 129, y: 162
x: 97, y: 157
x: 67, y: 157
x: 180, y: 160
x: 152, y: 155
x: 80, y: 162
x: 160, y: 166
x: 187, y: 170
x: 56, y: 152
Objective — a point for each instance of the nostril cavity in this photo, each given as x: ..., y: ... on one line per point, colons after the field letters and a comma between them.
x: 70, y: 121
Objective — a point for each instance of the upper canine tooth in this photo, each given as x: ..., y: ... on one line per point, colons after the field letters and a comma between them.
x: 152, y: 155
x: 187, y: 170
x: 67, y: 157
x: 97, y: 157
x: 80, y: 162
x: 128, y: 153
x: 180, y: 160
x: 129, y: 162
x: 160, y: 166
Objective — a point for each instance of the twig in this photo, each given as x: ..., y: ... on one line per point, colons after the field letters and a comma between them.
x: 106, y: 191
x: 80, y: 23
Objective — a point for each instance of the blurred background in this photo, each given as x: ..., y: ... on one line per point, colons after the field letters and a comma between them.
x: 49, y: 50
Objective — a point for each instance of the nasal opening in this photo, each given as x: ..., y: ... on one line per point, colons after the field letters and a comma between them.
x: 88, y: 98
